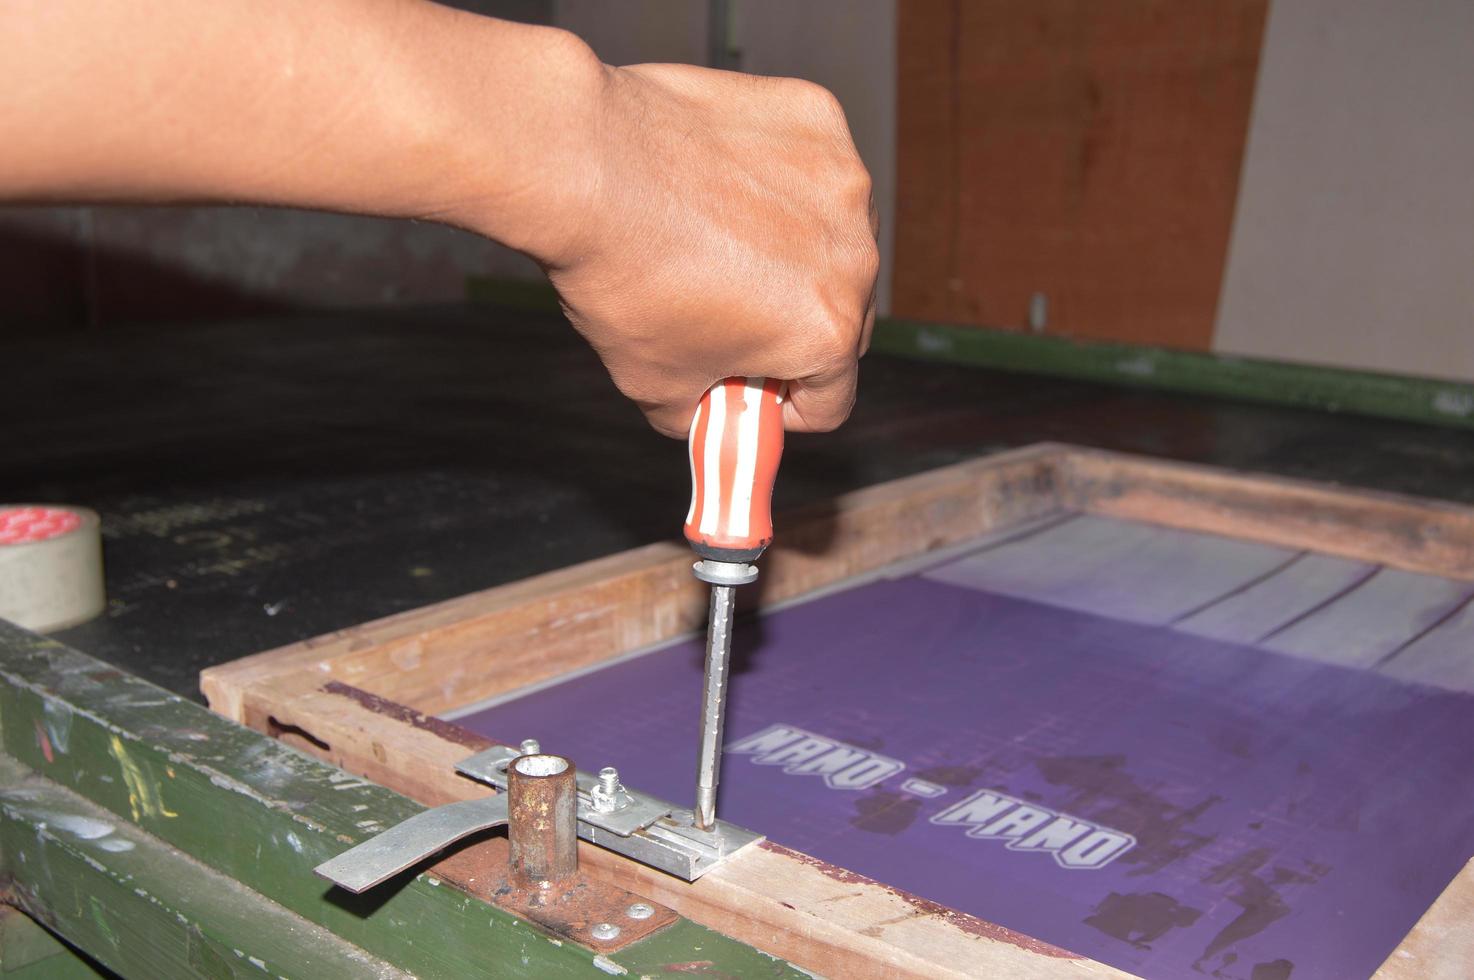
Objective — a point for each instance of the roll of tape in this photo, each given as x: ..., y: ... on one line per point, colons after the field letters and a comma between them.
x: 50, y: 566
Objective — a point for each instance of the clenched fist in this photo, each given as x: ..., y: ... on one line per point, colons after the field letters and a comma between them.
x: 728, y: 229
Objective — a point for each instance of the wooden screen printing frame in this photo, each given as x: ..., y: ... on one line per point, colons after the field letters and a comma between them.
x: 364, y: 697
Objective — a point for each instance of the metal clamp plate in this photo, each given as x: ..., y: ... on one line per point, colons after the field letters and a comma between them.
x: 639, y: 826
x: 635, y: 824
x: 631, y: 810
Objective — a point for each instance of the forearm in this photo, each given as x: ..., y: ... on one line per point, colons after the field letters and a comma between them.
x: 391, y: 107
x: 697, y: 224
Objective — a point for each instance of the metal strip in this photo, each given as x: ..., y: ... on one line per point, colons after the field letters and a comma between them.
x: 406, y: 844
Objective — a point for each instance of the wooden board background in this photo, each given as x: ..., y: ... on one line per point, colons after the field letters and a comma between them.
x: 1086, y: 151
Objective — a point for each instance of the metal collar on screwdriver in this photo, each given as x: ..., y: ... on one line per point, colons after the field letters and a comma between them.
x: 728, y: 573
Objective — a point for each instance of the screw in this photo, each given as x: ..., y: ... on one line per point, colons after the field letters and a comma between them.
x: 1039, y: 312
x: 530, y: 746
x: 607, y: 795
x: 639, y: 910
x: 605, y: 931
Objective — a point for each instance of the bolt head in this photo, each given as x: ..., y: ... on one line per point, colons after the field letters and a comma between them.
x: 639, y: 910
x: 530, y: 746
x: 605, y: 931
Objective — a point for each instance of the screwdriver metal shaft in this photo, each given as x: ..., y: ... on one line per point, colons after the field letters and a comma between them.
x: 714, y: 704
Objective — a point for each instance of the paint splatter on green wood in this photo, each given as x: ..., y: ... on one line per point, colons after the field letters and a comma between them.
x: 145, y: 909
x: 260, y: 812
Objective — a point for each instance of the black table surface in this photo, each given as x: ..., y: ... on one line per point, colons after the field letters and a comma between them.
x: 264, y: 481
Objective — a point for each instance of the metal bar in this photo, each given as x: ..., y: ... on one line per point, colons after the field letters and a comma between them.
x: 411, y: 842
x: 714, y: 704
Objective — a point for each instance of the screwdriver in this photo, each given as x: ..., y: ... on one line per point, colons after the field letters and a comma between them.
x: 736, y: 440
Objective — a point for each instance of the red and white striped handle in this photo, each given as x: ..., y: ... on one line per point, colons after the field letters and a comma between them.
x: 736, y: 441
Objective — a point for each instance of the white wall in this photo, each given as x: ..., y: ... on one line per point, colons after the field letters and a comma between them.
x: 1353, y: 241
x: 848, y: 46
x: 629, y: 32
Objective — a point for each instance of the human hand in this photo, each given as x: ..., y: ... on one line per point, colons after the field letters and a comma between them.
x: 726, y: 227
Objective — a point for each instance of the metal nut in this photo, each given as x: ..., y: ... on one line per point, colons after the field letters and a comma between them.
x: 605, y: 931
x: 639, y: 910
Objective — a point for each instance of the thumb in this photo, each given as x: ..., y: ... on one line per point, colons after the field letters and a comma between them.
x: 821, y: 402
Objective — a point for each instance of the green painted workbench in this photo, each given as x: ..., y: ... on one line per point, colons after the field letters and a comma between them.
x: 164, y: 841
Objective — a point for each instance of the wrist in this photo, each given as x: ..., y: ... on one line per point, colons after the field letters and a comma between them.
x: 525, y: 132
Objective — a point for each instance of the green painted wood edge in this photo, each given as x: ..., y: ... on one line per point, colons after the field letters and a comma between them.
x: 264, y: 814
x: 1448, y: 403
x: 1393, y: 396
x: 687, y: 948
x: 28, y: 951
x: 144, y: 909
x: 64, y: 966
x: 22, y: 941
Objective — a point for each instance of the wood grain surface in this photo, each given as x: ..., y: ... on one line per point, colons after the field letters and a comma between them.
x: 1086, y: 152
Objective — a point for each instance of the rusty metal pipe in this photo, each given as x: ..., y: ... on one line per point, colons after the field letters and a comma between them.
x: 542, y: 825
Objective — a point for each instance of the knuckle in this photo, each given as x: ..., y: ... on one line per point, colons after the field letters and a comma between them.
x: 834, y: 338
x: 832, y: 412
x: 819, y: 100
x: 854, y: 271
x: 856, y: 191
x: 869, y: 259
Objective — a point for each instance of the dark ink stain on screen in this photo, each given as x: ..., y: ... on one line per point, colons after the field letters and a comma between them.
x: 1258, y: 897
x: 863, y: 740
x: 1273, y: 970
x: 885, y: 812
x: 1141, y: 918
x: 1246, y: 863
x: 1101, y: 790
x: 1279, y: 969
x: 950, y: 775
